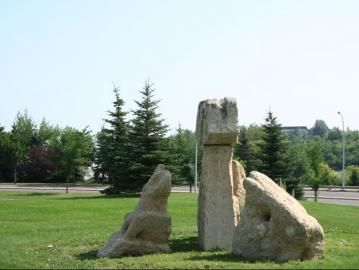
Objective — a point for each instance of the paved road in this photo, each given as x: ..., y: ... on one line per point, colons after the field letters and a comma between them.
x: 325, y: 196
x: 38, y: 187
x: 335, y: 197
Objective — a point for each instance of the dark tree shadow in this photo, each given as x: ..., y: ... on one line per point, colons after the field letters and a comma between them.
x: 36, y: 194
x: 187, y: 244
x: 101, y: 197
x: 89, y: 255
x: 228, y: 257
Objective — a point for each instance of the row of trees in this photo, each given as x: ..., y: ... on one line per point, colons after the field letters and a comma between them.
x: 131, y: 144
x: 330, y: 141
x: 43, y: 153
x: 124, y: 153
x: 293, y: 159
x: 129, y: 150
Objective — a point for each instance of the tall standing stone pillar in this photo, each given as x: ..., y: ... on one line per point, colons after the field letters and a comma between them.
x: 221, y: 183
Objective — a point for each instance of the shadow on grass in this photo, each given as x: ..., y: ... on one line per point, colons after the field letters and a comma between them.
x: 101, y: 196
x: 89, y: 255
x: 228, y: 257
x: 187, y: 244
x: 36, y: 194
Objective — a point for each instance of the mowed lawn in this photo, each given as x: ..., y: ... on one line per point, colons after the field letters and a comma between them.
x: 39, y: 230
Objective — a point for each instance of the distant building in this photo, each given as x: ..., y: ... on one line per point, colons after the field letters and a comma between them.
x: 299, y: 132
x: 294, y: 128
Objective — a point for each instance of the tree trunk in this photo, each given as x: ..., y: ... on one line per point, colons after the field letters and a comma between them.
x: 15, y: 175
x: 316, y: 195
x: 190, y: 187
x: 67, y: 185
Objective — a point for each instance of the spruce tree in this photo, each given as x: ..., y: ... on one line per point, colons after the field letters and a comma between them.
x: 273, y: 150
x: 112, y: 153
x: 182, y: 147
x: 245, y: 153
x: 148, y: 144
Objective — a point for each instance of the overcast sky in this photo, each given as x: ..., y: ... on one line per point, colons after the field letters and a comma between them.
x: 59, y: 59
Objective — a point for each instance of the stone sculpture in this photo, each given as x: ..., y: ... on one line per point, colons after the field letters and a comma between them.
x: 147, y: 229
x: 273, y: 225
x: 221, y: 190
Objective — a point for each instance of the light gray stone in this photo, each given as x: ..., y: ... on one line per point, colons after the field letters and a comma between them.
x: 217, y: 121
x: 147, y: 229
x: 238, y: 196
x: 273, y: 225
x: 220, y: 197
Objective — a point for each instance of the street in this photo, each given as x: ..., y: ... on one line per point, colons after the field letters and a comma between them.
x: 335, y: 196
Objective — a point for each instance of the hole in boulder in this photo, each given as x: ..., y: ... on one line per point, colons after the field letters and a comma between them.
x: 139, y: 235
x: 266, y: 217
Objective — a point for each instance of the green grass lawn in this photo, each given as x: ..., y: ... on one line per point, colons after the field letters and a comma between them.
x: 76, y: 225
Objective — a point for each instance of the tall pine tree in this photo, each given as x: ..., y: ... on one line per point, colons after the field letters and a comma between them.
x: 148, y: 144
x: 245, y: 153
x: 273, y: 150
x: 112, y: 147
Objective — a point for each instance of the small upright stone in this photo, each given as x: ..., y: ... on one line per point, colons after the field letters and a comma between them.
x: 273, y: 225
x: 147, y: 229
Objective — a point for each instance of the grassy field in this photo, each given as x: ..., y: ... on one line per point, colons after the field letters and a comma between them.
x: 42, y: 230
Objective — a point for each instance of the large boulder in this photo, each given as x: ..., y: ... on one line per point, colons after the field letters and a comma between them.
x: 147, y: 229
x: 273, y: 225
x: 217, y: 121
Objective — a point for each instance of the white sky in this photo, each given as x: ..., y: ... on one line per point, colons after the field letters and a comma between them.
x: 300, y: 58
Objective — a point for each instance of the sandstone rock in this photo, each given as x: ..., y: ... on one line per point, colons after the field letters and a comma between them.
x: 217, y: 121
x: 238, y: 176
x: 147, y: 229
x: 221, y: 178
x: 219, y: 198
x: 273, y: 225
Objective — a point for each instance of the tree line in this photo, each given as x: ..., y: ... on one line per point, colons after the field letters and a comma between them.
x: 43, y: 153
x: 123, y: 154
x: 311, y: 157
x: 127, y: 151
x: 130, y: 144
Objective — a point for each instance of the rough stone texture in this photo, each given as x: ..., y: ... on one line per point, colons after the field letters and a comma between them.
x: 274, y: 225
x: 217, y: 121
x: 219, y: 197
x: 147, y: 229
x: 238, y: 176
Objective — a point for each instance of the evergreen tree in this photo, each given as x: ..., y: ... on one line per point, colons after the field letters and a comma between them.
x: 148, y: 145
x: 273, y: 150
x: 182, y: 148
x: 102, y: 156
x: 244, y: 152
x: 112, y: 147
